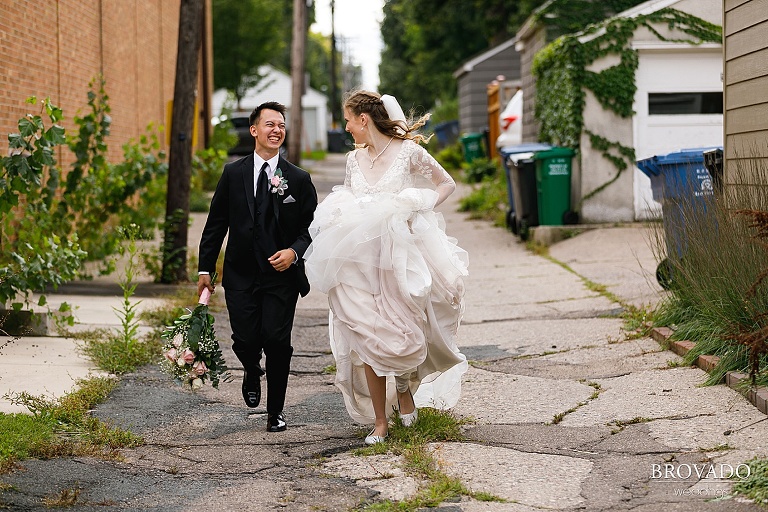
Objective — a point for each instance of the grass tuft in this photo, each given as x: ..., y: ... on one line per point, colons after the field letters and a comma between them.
x: 64, y: 499
x: 432, y: 426
x: 61, y: 427
x: 110, y: 353
x: 755, y: 486
x: 716, y: 257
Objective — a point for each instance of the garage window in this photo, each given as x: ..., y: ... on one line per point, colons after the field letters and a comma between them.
x: 677, y: 103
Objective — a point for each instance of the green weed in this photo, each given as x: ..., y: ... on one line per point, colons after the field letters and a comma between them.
x: 61, y: 427
x: 755, y: 486
x: 108, y: 351
x: 432, y: 426
x: 489, y: 200
x: 64, y: 499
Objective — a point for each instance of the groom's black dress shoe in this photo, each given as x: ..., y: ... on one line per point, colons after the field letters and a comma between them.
x: 276, y: 422
x: 251, y: 389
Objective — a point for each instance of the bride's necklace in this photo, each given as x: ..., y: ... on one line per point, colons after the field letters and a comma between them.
x: 373, y: 160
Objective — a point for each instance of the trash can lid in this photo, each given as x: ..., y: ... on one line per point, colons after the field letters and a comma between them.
x: 554, y: 152
x: 516, y: 158
x: 648, y: 166
x: 683, y: 156
x: 529, y: 147
x: 652, y: 166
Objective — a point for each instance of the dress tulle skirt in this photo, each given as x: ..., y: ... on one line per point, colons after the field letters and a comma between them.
x: 395, y: 290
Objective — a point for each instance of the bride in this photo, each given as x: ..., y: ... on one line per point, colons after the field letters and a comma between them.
x: 392, y: 275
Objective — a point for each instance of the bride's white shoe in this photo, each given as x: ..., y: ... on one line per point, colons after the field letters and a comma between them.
x: 409, y: 419
x: 371, y: 439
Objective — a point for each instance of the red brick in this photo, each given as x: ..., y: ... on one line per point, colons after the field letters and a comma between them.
x: 54, y: 49
x: 661, y: 334
x: 707, y: 363
x: 681, y: 347
x: 761, y: 400
x: 734, y: 379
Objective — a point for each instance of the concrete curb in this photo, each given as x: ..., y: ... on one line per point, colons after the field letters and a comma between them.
x: 757, y: 396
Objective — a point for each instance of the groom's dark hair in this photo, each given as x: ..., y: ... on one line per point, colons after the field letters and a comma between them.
x: 270, y: 105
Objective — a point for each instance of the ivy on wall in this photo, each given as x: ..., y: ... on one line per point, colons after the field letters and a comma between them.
x: 562, y: 78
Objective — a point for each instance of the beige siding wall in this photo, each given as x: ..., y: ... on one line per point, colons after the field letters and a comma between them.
x: 745, y: 76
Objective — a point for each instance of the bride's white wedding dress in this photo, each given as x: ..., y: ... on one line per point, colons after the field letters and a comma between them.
x: 394, y: 283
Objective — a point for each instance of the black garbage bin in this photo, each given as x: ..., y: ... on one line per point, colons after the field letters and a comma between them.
x: 713, y: 162
x: 338, y: 141
x: 520, y: 167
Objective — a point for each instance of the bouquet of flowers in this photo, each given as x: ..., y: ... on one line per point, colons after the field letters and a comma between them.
x: 192, y: 353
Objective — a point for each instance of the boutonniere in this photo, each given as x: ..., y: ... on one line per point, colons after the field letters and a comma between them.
x: 279, y: 184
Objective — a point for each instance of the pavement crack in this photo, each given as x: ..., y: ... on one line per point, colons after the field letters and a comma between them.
x: 622, y: 424
x: 596, y: 393
x: 556, y: 315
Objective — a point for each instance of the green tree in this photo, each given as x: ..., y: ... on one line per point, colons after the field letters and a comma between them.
x: 425, y: 41
x: 571, y: 16
x: 246, y: 35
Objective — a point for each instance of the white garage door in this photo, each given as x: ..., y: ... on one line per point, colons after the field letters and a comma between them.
x: 675, y: 109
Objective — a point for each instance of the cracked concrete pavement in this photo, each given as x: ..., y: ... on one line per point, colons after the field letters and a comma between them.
x: 568, y: 413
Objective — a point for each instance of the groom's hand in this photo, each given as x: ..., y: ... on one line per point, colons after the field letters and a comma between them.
x: 204, y: 281
x: 282, y: 259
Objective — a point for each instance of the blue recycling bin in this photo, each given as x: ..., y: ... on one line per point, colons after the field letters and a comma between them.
x: 520, y: 168
x: 446, y: 133
x: 682, y: 183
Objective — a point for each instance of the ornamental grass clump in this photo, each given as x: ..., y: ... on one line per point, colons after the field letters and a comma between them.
x: 718, y: 262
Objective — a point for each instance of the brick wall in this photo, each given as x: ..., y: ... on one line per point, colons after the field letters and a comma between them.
x: 55, y: 48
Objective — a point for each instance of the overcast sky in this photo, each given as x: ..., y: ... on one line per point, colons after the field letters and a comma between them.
x: 358, y: 21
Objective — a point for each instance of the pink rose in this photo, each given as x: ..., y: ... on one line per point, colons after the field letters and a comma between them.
x: 171, y: 355
x: 199, y: 368
x: 177, y: 340
x: 188, y: 356
x: 275, y: 181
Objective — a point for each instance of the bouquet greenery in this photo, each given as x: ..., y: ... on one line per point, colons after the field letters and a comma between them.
x: 192, y: 353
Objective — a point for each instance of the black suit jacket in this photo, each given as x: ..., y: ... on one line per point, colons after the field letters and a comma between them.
x: 232, y: 211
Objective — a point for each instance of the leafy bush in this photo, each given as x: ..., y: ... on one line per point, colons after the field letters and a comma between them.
x: 479, y: 169
x: 208, y: 164
x: 36, y: 254
x: 50, y: 225
x: 488, y: 201
x: 451, y: 157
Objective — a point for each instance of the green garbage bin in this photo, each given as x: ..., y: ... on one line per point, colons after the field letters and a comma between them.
x: 553, y: 186
x: 473, y: 146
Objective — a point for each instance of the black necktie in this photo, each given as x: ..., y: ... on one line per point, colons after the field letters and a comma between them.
x: 262, y: 187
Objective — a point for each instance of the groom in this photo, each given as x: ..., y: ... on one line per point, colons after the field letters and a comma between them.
x: 266, y: 205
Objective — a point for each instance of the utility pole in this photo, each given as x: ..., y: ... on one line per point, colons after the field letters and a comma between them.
x: 297, y: 79
x: 334, y: 91
x: 180, y: 159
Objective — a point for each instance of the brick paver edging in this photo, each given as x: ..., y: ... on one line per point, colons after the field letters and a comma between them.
x: 734, y: 380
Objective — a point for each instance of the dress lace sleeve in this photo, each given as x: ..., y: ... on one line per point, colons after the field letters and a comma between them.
x: 348, y: 175
x: 423, y: 163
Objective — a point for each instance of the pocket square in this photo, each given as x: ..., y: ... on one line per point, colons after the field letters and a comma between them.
x: 289, y: 199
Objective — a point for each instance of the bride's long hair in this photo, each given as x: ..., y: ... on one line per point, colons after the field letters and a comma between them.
x: 366, y: 102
